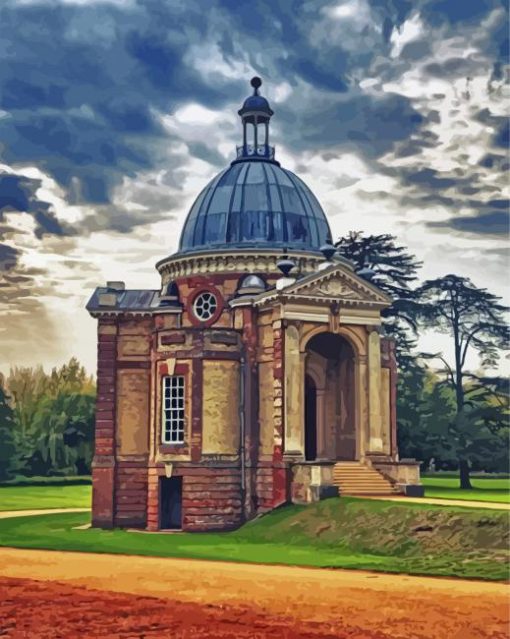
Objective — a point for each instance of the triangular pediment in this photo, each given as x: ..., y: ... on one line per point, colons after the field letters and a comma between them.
x: 339, y: 284
x: 335, y: 287
x: 336, y: 283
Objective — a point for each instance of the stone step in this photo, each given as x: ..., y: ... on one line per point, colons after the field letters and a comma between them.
x: 366, y: 491
x: 354, y: 478
x: 354, y: 493
x: 382, y: 482
x: 361, y: 476
x: 364, y: 486
x: 357, y: 473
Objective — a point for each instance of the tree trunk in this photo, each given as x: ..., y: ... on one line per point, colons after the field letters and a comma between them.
x: 465, y: 481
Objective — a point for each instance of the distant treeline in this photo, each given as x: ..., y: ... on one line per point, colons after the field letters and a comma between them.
x: 47, y: 421
x: 430, y: 430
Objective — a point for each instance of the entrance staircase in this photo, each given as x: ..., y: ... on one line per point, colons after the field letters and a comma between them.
x: 355, y: 478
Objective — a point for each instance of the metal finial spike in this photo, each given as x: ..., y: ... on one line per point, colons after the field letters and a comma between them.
x: 256, y: 83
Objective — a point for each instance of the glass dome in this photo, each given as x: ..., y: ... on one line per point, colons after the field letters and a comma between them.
x: 255, y: 204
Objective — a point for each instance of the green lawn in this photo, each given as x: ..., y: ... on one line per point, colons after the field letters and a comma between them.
x: 79, y: 496
x: 339, y: 533
x: 30, y: 497
x: 484, y: 489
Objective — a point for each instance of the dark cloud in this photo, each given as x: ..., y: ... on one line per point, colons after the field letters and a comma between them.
x: 451, y: 68
x: 494, y: 161
x: 8, y: 257
x: 451, y: 11
x: 495, y: 223
x: 18, y: 193
x: 358, y: 122
x: 100, y: 74
x: 430, y: 179
x: 206, y: 153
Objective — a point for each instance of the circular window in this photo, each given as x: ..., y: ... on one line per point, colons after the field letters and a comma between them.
x: 205, y: 306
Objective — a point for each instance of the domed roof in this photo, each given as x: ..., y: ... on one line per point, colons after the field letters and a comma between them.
x: 256, y: 103
x: 255, y: 204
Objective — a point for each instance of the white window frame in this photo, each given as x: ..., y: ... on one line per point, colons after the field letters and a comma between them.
x: 173, y: 404
x: 205, y: 314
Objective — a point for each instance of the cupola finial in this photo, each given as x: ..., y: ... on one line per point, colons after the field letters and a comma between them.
x: 256, y: 83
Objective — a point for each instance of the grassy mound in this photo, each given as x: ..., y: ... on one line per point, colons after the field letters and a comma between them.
x: 382, y: 527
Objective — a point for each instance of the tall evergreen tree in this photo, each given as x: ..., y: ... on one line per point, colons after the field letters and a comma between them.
x: 475, y: 320
x: 7, y: 445
x: 394, y: 270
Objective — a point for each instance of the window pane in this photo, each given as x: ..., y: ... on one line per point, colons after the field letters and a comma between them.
x: 172, y: 429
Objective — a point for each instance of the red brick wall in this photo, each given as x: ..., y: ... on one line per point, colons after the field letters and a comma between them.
x: 103, y: 467
x: 211, y: 497
x: 126, y: 492
x: 131, y: 494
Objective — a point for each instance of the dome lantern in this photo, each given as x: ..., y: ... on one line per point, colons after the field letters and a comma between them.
x: 255, y: 115
x: 255, y: 203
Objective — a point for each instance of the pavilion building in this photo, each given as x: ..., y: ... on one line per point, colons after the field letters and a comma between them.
x: 256, y: 374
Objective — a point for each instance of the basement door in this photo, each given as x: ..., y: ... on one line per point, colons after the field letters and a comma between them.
x: 170, y: 503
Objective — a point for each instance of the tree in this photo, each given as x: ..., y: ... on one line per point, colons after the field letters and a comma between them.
x: 65, y: 428
x: 27, y: 387
x: 475, y: 320
x: 415, y: 385
x: 53, y: 418
x: 394, y: 270
x: 7, y: 446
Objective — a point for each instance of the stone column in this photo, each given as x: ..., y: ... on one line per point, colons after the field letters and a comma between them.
x: 322, y: 452
x: 294, y: 363
x: 362, y: 421
x: 375, y: 444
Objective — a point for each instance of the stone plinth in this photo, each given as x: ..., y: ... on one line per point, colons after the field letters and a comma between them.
x: 312, y: 482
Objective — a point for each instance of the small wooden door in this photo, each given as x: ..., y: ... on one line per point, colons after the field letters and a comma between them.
x: 170, y: 503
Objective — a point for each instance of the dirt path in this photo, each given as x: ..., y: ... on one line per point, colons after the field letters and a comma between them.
x: 436, y: 501
x: 7, y: 514
x: 344, y: 603
x: 28, y: 609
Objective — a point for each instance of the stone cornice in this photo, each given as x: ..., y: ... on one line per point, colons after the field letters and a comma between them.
x: 317, y: 299
x: 237, y: 261
x: 118, y: 313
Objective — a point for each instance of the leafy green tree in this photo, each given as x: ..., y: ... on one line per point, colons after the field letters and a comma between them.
x: 393, y: 269
x: 7, y: 445
x: 475, y: 320
x: 65, y: 427
x: 54, y: 416
x: 27, y: 387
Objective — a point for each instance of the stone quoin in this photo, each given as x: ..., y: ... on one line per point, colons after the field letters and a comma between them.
x: 256, y: 375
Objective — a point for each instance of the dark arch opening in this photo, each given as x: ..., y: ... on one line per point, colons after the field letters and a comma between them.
x: 310, y: 419
x: 330, y: 429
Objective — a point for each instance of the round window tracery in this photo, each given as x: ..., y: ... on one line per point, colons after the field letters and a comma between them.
x: 205, y: 306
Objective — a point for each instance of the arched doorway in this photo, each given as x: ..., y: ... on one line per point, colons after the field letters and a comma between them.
x: 330, y: 399
x: 310, y: 419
